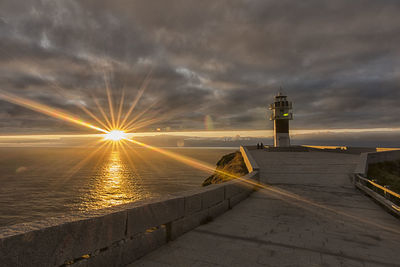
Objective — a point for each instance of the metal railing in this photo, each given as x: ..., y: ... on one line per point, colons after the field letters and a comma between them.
x: 384, y: 191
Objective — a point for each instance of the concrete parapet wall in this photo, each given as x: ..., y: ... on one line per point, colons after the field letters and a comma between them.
x: 119, y: 235
x: 383, y: 156
x: 362, y: 164
x: 251, y: 164
x: 375, y: 157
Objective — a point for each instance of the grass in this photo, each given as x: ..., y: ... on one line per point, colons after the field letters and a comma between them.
x: 386, y: 173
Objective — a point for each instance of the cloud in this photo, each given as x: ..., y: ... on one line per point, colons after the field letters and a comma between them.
x: 337, y: 60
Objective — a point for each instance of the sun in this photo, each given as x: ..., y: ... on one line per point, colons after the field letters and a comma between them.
x: 115, y: 135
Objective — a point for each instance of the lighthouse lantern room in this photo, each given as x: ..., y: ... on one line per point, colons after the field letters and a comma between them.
x: 281, y: 114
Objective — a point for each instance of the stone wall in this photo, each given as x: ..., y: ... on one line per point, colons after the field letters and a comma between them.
x: 375, y: 157
x: 119, y: 235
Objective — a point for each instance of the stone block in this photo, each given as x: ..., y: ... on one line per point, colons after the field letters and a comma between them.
x: 106, y: 258
x: 141, y: 244
x: 183, y: 225
x: 213, y: 195
x: 233, y: 201
x: 236, y: 187
x: 218, y: 209
x: 192, y: 199
x: 62, y: 242
x: 193, y: 204
x: 154, y: 214
x: 81, y: 263
x: 232, y: 188
x: 112, y: 257
x: 96, y: 233
x: 29, y: 249
x: 247, y: 187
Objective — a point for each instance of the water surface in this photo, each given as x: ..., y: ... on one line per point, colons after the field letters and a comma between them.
x: 41, y: 182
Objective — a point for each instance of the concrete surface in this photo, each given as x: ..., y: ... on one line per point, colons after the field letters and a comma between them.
x: 311, y: 215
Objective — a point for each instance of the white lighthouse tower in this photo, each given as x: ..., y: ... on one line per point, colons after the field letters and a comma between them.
x: 281, y: 114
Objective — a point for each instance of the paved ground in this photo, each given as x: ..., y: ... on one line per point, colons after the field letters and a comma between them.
x: 331, y: 224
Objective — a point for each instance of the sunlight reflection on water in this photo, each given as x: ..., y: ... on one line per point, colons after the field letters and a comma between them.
x: 115, y: 184
x: 58, y: 181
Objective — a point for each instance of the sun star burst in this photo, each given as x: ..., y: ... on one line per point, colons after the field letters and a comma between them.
x: 115, y: 135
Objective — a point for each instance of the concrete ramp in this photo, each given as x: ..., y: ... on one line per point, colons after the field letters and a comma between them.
x: 307, y: 214
x: 275, y: 164
x: 312, y: 170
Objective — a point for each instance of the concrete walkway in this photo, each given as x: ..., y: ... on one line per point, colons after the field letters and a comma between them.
x: 330, y: 224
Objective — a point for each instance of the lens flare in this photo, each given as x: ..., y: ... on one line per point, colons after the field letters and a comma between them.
x: 115, y: 135
x: 45, y: 109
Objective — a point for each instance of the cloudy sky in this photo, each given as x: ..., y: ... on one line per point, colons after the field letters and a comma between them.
x: 212, y: 64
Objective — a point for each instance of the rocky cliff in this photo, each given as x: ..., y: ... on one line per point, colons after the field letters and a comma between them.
x: 232, y: 164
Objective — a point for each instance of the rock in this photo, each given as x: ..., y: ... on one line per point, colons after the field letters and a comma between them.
x: 228, y: 167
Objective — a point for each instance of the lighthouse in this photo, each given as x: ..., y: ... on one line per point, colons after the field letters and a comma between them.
x: 281, y: 114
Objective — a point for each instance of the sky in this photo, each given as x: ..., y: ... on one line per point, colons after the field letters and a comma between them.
x: 207, y: 65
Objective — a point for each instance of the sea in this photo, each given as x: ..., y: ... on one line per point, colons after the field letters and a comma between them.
x: 36, y: 183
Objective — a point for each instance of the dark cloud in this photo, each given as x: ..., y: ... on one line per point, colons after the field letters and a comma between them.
x: 337, y: 60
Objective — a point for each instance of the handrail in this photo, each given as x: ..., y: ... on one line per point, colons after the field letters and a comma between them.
x: 379, y: 186
x: 388, y: 198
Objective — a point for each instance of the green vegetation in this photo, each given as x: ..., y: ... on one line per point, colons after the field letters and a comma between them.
x: 232, y: 163
x: 386, y: 173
